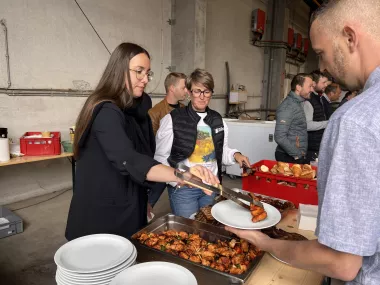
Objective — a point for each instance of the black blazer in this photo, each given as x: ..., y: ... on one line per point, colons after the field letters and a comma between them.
x: 110, y: 188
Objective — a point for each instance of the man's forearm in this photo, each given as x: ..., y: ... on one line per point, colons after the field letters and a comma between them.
x: 315, y: 126
x: 312, y: 255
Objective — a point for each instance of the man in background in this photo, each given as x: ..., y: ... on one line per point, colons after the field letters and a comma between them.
x: 347, y: 97
x: 315, y: 115
x: 291, y: 127
x: 175, y: 87
x: 332, y: 94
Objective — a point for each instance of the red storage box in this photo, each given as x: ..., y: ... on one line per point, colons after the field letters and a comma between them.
x: 267, y: 183
x: 41, y: 146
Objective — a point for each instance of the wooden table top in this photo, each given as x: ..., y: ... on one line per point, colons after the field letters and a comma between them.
x: 273, y: 272
x: 28, y: 159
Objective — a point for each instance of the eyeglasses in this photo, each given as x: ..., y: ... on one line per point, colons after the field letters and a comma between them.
x: 197, y: 93
x: 140, y: 74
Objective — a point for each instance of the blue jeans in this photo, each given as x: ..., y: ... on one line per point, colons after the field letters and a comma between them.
x: 186, y: 201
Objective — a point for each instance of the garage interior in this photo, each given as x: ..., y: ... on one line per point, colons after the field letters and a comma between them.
x: 52, y: 53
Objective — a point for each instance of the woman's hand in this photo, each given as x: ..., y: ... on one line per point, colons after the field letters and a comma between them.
x: 254, y: 237
x: 206, y: 175
x: 242, y: 160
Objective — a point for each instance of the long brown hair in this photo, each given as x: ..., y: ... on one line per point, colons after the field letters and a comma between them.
x: 111, y: 87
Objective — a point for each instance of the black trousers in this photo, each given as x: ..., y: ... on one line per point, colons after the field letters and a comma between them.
x: 312, y: 155
x: 284, y: 157
x: 155, y: 192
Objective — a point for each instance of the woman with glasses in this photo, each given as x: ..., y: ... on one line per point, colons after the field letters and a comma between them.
x: 196, y: 136
x: 114, y: 147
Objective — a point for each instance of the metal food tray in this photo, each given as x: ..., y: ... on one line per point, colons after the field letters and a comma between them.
x: 204, y: 275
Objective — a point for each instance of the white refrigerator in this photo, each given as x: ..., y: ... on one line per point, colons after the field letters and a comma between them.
x: 254, y: 139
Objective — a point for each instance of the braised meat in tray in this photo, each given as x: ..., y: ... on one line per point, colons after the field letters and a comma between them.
x: 232, y: 257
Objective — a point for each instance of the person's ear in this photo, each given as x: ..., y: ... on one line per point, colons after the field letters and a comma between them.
x: 350, y: 37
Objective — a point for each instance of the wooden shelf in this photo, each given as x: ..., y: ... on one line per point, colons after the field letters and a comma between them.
x: 28, y: 159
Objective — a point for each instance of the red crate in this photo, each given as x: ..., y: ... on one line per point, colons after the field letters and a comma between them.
x: 41, y: 146
x: 266, y: 183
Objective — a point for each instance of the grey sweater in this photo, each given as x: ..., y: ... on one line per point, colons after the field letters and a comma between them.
x: 291, y: 126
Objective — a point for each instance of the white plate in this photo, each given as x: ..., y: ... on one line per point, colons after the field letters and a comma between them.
x: 231, y: 214
x: 275, y: 257
x: 155, y: 273
x: 60, y: 280
x: 93, y: 253
x: 102, y: 274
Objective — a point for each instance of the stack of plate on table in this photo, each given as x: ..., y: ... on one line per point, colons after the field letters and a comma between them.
x: 94, y: 259
x: 155, y: 272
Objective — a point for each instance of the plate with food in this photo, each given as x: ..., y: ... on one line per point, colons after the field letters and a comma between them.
x: 231, y: 214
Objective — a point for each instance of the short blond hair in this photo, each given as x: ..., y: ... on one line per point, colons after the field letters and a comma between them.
x: 172, y: 79
x: 335, y: 14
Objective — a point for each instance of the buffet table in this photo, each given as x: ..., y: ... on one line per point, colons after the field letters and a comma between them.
x: 271, y: 271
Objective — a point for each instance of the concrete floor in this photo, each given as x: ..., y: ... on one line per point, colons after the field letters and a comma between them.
x: 27, y: 258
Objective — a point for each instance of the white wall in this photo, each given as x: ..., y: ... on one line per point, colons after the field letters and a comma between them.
x: 228, y: 39
x: 51, y: 44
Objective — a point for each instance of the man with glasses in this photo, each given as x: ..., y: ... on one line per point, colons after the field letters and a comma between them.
x: 195, y: 135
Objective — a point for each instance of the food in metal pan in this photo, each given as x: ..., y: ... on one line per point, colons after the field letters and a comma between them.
x: 232, y: 256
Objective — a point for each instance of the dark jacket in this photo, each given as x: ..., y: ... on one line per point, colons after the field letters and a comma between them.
x: 315, y: 137
x: 327, y: 108
x: 115, y: 155
x: 185, y: 121
x: 291, y: 128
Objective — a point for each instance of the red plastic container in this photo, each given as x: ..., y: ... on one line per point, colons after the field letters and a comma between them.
x: 267, y: 183
x: 41, y: 146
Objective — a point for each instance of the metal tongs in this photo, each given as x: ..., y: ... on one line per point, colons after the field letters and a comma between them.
x: 183, y: 172
x: 247, y: 169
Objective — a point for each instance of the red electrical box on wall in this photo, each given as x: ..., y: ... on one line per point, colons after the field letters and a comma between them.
x: 298, y: 41
x: 306, y: 44
x: 258, y: 21
x: 290, y: 37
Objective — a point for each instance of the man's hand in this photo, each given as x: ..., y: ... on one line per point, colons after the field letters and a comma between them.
x: 254, y: 237
x: 242, y: 160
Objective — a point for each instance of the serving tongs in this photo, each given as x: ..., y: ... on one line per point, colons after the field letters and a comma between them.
x: 248, y: 169
x: 184, y: 173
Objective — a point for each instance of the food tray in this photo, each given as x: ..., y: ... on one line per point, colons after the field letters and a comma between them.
x: 204, y: 275
x: 304, y: 190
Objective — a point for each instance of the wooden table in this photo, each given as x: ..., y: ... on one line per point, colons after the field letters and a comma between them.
x: 273, y: 272
x: 29, y: 159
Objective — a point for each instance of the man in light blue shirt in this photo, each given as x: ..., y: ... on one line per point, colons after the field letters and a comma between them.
x: 345, y: 34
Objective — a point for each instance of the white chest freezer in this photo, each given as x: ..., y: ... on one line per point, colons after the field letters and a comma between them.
x: 254, y: 139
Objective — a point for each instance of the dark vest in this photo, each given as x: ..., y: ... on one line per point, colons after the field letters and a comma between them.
x: 315, y: 137
x: 185, y: 121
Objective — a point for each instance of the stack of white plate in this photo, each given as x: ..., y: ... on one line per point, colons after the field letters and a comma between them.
x: 94, y: 259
